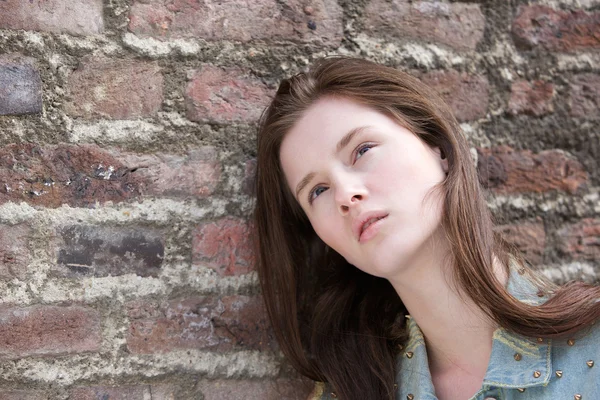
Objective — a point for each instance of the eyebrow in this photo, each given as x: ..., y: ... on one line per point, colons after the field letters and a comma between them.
x: 344, y: 141
x: 348, y: 138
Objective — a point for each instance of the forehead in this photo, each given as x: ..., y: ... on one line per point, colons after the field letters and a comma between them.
x: 326, y: 121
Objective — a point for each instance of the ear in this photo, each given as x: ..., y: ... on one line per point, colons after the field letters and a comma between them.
x: 442, y: 158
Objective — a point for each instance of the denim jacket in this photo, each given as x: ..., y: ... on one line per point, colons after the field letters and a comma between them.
x: 520, y: 368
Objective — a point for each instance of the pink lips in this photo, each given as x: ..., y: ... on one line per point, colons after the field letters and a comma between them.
x: 366, y: 225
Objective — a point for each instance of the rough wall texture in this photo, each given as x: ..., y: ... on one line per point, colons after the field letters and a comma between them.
x: 126, y: 155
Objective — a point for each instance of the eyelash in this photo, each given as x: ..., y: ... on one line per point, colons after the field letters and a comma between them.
x: 355, y: 156
x: 361, y: 148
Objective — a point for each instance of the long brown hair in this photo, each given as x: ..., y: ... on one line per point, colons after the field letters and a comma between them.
x: 338, y: 324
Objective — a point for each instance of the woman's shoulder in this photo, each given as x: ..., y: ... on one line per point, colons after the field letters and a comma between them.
x: 586, y: 343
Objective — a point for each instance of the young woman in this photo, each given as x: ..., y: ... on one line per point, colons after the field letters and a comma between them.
x: 380, y: 270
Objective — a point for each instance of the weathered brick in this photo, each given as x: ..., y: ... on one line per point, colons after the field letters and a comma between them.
x: 280, y: 389
x: 458, y: 25
x: 83, y: 175
x: 78, y: 17
x: 556, y: 30
x: 23, y: 395
x: 195, y: 174
x: 239, y: 20
x: 467, y: 95
x: 104, y: 251
x: 224, y: 245
x: 585, y: 95
x: 505, y: 170
x: 216, y: 94
x: 14, y: 251
x: 220, y: 324
x: 581, y: 240
x: 141, y: 392
x: 64, y: 174
x: 48, y: 330
x: 117, y: 89
x: 528, y: 237
x: 20, y: 84
x: 533, y: 98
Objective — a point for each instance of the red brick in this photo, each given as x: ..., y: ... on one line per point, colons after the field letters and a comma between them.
x: 556, y: 30
x: 585, y: 95
x: 505, y: 170
x: 528, y: 237
x: 239, y: 20
x: 109, y: 251
x: 64, y: 174
x: 23, y: 395
x: 146, y: 309
x: 118, y: 89
x: 20, y: 85
x: 458, y: 25
x: 78, y: 17
x: 581, y: 240
x: 82, y: 175
x: 533, y: 98
x: 224, y: 245
x: 223, y: 95
x: 195, y: 174
x: 221, y: 324
x: 141, y: 392
x: 48, y: 330
x: 280, y: 389
x: 14, y: 251
x: 467, y: 95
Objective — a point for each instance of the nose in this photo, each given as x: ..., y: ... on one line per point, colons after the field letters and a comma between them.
x: 349, y: 194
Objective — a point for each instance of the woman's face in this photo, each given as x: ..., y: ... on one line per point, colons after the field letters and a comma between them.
x: 366, y: 185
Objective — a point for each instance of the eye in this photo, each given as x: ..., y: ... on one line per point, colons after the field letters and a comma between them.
x: 362, y: 149
x: 313, y: 194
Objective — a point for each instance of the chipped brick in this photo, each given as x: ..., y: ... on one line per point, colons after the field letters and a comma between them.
x: 115, y: 89
x: 221, y: 95
x: 220, y: 324
x: 224, y: 245
x: 533, y: 98
x: 48, y: 330
x: 78, y: 17
x: 239, y: 20
x: 556, y: 30
x: 504, y: 170
x: 458, y: 25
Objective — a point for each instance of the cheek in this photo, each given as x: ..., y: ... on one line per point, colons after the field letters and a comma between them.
x: 413, y: 176
x: 330, y: 232
x: 323, y: 229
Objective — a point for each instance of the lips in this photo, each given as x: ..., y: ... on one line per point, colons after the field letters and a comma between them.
x: 363, y: 221
x: 369, y: 222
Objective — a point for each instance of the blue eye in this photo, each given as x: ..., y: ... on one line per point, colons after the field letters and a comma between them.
x: 315, y: 193
x: 362, y: 150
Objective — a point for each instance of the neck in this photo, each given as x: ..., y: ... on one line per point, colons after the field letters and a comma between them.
x: 458, y: 334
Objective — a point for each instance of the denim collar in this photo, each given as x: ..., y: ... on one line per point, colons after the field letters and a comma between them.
x: 516, y: 361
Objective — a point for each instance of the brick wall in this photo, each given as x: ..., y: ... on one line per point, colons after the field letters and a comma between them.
x: 127, y: 150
